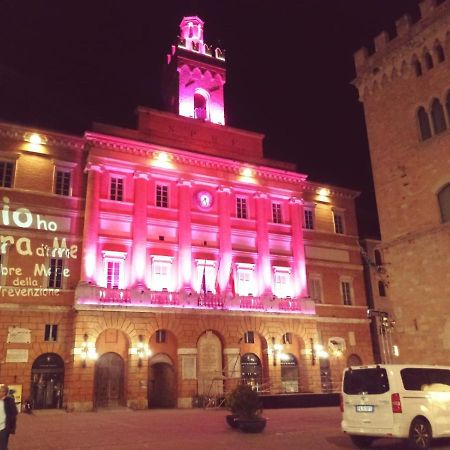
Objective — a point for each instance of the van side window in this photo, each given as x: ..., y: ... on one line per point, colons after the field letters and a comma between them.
x: 415, y: 379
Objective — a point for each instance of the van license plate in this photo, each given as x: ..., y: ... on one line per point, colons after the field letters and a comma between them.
x: 365, y: 408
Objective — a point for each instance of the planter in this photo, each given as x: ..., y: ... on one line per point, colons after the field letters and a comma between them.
x: 255, y: 425
x: 232, y: 420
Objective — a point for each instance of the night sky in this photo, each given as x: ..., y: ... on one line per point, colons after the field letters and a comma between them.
x: 65, y: 64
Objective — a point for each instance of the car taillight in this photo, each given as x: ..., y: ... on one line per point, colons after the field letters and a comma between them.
x: 396, y: 403
x: 341, y: 402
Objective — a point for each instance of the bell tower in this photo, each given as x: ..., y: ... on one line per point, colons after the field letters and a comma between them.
x: 195, y: 75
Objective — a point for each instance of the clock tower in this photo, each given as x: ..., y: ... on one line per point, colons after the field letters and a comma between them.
x: 195, y: 75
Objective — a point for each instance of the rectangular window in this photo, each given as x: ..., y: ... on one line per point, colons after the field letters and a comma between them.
x: 6, y: 174
x: 287, y: 338
x: 308, y: 219
x: 160, y: 336
x: 276, y: 213
x: 346, y: 292
x: 51, y: 333
x: 241, y: 208
x: 249, y: 337
x: 62, y: 182
x: 162, y: 196
x: 113, y: 268
x: 315, y: 289
x: 245, y: 284
x: 338, y: 223
x: 55, y: 276
x: 116, y: 189
x: 282, y: 282
x: 161, y: 273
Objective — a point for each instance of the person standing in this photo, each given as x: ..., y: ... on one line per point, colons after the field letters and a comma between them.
x: 8, y: 415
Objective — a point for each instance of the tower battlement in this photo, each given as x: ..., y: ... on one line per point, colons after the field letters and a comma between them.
x: 392, y: 58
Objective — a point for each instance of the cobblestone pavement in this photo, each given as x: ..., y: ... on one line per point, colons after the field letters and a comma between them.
x: 196, y: 429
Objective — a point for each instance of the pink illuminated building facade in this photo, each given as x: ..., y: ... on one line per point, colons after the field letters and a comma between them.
x: 196, y: 262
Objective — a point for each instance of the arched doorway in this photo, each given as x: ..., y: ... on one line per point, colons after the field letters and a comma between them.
x: 325, y: 375
x: 47, y: 381
x: 109, y: 381
x: 161, y: 382
x: 251, y: 370
x: 289, y: 373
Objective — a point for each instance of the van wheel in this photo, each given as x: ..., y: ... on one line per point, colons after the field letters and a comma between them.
x: 419, y: 435
x: 361, y: 441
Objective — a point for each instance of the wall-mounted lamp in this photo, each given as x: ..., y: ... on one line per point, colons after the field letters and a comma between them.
x: 86, y: 351
x: 276, y: 351
x: 141, y: 350
x: 317, y: 351
x: 35, y: 138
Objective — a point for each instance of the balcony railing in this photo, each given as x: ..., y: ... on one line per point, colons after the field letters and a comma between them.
x: 89, y: 294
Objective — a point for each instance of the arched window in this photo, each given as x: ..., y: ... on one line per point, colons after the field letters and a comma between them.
x: 381, y: 289
x: 440, y: 55
x: 378, y: 260
x: 417, y: 68
x: 438, y: 117
x: 424, y: 124
x: 200, y: 111
x: 444, y: 203
x: 428, y: 61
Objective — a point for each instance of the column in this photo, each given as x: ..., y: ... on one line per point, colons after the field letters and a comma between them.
x: 298, y: 248
x: 262, y: 243
x: 91, y: 224
x: 225, y: 246
x: 184, y: 236
x: 139, y: 246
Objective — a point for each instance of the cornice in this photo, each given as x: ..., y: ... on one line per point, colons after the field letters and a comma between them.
x: 53, y: 139
x: 211, y: 163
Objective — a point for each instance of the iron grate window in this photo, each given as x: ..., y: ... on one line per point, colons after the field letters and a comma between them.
x: 309, y: 219
x: 116, y: 189
x: 162, y: 196
x: 51, y: 333
x: 62, y: 185
x: 241, y: 208
x: 346, y: 293
x: 160, y: 336
x: 338, y: 224
x: 6, y: 174
x: 249, y: 337
x: 55, y: 276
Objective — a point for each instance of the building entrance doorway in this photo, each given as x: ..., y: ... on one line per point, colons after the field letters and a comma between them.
x: 47, y: 381
x: 289, y: 373
x: 161, y: 383
x: 251, y: 371
x: 109, y: 375
x: 325, y: 375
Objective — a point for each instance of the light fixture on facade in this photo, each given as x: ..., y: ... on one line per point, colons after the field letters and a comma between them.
x: 86, y: 351
x: 162, y: 159
x: 317, y: 351
x: 323, y: 194
x: 35, y: 138
x: 276, y: 351
x: 141, y: 350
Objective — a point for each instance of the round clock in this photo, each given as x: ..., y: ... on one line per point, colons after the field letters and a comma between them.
x: 204, y: 199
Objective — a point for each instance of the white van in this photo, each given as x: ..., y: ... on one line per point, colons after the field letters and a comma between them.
x: 399, y: 401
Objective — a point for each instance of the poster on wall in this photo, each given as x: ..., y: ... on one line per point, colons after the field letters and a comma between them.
x: 15, y: 390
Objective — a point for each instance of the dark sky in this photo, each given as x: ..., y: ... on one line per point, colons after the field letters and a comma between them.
x: 65, y: 64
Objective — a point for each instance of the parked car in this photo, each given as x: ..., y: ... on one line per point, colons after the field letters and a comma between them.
x: 410, y: 402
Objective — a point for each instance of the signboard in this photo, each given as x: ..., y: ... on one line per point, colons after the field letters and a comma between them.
x: 16, y: 355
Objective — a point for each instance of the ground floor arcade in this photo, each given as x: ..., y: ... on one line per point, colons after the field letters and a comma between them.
x: 90, y: 358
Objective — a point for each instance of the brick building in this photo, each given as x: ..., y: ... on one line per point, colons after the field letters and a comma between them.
x: 150, y: 267
x: 405, y: 88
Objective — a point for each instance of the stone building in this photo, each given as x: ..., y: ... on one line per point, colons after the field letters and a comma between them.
x: 157, y: 266
x: 405, y: 88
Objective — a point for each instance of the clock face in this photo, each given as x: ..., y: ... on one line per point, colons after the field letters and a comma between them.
x: 204, y: 199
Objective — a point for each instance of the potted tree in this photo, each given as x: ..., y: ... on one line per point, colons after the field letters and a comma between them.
x: 245, y: 407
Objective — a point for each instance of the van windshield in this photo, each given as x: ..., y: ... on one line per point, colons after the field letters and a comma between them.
x: 367, y: 381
